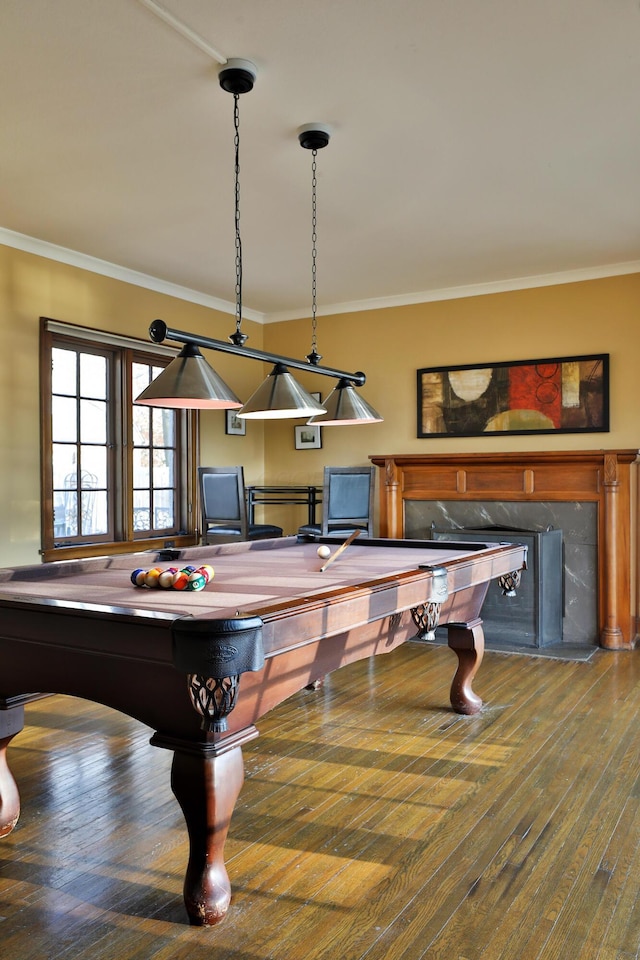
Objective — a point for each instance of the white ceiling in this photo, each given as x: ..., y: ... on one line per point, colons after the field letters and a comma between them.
x: 474, y: 142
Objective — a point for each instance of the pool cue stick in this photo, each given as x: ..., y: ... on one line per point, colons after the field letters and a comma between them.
x: 343, y: 546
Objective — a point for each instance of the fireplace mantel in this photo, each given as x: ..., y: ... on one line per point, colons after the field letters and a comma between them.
x: 605, y: 477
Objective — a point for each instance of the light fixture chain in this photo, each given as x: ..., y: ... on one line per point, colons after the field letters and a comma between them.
x: 314, y: 357
x: 236, y: 142
x: 314, y: 239
x: 237, y: 79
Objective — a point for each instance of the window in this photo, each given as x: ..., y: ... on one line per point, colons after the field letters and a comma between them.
x: 116, y: 476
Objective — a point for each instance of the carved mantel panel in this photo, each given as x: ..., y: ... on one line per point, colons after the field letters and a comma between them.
x: 605, y: 477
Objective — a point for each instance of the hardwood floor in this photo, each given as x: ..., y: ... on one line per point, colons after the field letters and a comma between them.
x: 373, y: 823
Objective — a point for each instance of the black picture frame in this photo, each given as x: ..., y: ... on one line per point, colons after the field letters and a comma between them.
x: 550, y: 395
x: 234, y: 426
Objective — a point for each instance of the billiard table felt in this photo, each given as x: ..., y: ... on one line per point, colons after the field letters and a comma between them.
x: 244, y: 580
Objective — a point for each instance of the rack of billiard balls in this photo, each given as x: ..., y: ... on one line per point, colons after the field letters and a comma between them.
x: 173, y: 578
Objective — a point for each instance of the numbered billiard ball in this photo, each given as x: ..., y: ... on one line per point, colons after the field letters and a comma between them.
x: 151, y: 579
x: 137, y: 577
x: 180, y: 580
x: 324, y: 552
x: 207, y: 571
x: 196, y: 581
x: 165, y: 580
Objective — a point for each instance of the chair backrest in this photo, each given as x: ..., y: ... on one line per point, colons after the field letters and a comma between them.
x: 348, y: 498
x: 222, y: 498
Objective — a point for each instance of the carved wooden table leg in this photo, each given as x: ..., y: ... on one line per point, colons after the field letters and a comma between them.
x: 207, y: 788
x: 207, y: 777
x: 467, y: 640
x: 11, y: 723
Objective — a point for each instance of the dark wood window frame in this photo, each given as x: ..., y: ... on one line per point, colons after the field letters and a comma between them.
x: 122, y: 537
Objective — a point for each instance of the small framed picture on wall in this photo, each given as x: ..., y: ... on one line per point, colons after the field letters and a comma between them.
x: 308, y: 436
x: 233, y: 425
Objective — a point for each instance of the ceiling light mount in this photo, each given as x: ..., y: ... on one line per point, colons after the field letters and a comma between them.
x: 238, y: 76
x: 314, y: 136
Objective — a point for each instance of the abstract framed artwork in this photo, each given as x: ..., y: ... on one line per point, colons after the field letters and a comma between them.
x: 557, y: 395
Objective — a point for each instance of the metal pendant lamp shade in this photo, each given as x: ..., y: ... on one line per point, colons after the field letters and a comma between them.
x: 189, y: 382
x: 345, y: 406
x: 280, y: 397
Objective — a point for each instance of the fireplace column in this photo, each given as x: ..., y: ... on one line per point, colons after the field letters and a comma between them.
x: 612, y: 637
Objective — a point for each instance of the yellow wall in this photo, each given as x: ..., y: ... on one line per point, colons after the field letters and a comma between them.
x: 390, y: 345
x: 599, y: 316
x: 31, y: 287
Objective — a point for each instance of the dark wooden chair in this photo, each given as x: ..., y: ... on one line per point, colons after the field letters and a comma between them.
x: 347, y: 502
x: 223, y: 508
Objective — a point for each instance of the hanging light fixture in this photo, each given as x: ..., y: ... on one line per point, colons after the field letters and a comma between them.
x: 159, y: 332
x: 343, y: 405
x: 190, y: 382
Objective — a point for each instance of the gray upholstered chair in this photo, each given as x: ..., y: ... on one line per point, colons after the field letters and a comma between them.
x: 223, y: 508
x: 347, y: 502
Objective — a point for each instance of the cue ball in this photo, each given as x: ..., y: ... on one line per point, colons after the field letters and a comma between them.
x: 324, y: 552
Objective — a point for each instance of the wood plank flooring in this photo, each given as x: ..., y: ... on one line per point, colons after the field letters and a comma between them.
x: 374, y: 823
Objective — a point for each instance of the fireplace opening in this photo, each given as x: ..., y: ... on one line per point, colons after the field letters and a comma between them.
x: 534, y: 616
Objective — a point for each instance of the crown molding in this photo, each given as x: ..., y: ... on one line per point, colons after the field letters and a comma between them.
x: 52, y: 251
x: 458, y: 293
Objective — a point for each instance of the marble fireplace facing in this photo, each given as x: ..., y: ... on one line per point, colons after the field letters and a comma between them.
x: 578, y: 570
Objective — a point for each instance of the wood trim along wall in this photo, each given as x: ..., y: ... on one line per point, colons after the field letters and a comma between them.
x: 603, y: 476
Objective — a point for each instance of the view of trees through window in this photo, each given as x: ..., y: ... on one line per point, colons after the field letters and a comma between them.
x: 81, y: 435
x: 154, y: 458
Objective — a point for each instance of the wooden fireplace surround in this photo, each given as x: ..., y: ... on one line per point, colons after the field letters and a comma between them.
x: 605, y: 477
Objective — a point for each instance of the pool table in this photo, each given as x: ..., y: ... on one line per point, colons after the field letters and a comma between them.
x: 200, y: 668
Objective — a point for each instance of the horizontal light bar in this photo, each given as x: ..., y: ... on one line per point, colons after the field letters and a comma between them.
x: 159, y: 331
